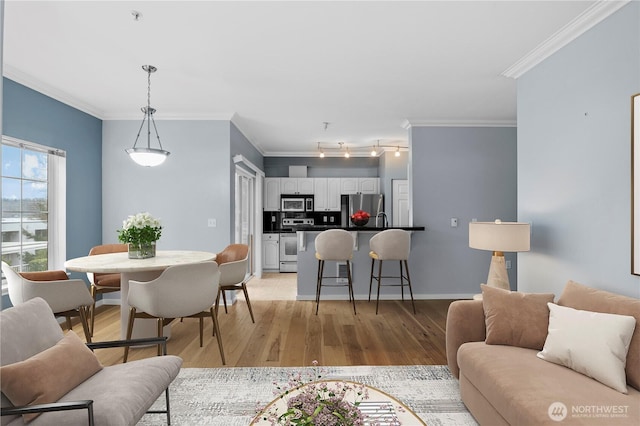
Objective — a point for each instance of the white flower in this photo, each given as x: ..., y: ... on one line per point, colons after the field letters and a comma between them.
x: 141, y: 220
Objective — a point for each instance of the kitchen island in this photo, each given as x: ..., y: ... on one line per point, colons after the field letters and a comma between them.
x: 360, y: 264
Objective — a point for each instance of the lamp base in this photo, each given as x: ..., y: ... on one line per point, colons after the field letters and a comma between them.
x: 498, y: 276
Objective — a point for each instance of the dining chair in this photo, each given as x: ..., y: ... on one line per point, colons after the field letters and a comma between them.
x: 393, y: 245
x: 103, y: 283
x: 233, y: 262
x: 187, y: 291
x: 67, y: 298
x: 334, y: 245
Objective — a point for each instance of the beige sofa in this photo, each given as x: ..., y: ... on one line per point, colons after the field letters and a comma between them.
x: 510, y: 385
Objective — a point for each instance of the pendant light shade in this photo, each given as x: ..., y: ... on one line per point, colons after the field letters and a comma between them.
x: 147, y: 156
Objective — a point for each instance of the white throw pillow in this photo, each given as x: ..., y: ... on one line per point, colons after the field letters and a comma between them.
x: 594, y: 344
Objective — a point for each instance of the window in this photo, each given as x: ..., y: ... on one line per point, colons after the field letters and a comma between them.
x: 33, y: 206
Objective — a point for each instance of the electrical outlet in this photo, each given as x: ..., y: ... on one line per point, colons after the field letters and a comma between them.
x: 454, y: 222
x: 324, y: 219
x: 332, y: 219
x: 507, y: 264
x: 211, y: 223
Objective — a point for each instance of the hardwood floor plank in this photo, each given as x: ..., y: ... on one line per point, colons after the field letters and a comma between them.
x: 288, y: 333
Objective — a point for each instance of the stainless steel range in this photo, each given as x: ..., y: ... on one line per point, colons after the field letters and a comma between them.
x: 289, y: 243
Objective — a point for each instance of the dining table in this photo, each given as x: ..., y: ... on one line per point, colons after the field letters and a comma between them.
x: 137, y: 270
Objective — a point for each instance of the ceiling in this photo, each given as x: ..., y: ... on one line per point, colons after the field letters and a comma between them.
x: 280, y: 70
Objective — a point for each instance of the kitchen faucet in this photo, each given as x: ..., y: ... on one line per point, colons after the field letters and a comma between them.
x: 385, y: 220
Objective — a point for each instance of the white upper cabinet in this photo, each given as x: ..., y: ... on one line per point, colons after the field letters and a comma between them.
x: 369, y: 185
x: 348, y: 185
x: 305, y: 185
x: 296, y: 185
x: 333, y: 194
x: 326, y: 194
x: 326, y: 191
x: 360, y: 185
x: 272, y: 194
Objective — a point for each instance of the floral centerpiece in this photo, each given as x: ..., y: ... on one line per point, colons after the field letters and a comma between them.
x: 360, y: 218
x: 140, y: 232
x: 313, y: 402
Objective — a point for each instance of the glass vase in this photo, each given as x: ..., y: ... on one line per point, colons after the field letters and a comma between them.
x: 142, y: 250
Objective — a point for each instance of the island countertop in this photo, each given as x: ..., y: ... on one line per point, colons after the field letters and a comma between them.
x: 360, y: 263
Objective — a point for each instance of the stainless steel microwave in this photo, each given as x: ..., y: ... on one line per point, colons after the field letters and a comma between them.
x: 296, y: 203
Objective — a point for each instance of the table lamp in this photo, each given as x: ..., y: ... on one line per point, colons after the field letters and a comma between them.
x: 499, y: 237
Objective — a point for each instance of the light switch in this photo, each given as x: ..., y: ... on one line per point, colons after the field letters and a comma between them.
x: 211, y: 223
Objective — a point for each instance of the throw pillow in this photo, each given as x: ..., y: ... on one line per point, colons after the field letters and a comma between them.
x: 515, y: 319
x: 591, y: 343
x: 578, y: 296
x: 50, y: 374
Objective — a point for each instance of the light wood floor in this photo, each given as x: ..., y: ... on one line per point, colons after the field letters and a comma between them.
x: 288, y: 333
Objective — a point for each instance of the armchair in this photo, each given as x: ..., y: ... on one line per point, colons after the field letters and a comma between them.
x: 111, y: 396
x: 66, y: 297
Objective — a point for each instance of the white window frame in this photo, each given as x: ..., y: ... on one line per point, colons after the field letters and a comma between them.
x: 56, y: 199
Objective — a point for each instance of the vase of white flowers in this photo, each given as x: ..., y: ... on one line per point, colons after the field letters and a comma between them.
x: 140, y: 232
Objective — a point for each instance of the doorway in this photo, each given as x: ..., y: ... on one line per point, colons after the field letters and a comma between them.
x: 400, y: 209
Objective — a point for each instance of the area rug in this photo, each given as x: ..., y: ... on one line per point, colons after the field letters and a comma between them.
x: 230, y: 396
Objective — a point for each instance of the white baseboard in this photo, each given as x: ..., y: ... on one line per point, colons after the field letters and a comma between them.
x: 389, y: 297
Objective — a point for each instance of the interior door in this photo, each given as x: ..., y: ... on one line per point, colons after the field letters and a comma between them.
x: 400, y: 202
x: 245, y: 211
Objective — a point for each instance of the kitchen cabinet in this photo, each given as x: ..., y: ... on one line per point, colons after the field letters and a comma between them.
x: 270, y: 251
x: 360, y: 185
x: 326, y: 194
x: 369, y: 185
x: 272, y: 194
x: 296, y: 185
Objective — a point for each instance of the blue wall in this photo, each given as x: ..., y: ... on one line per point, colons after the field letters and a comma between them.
x: 574, y: 160
x: 323, y: 167
x: 34, y: 117
x: 462, y: 172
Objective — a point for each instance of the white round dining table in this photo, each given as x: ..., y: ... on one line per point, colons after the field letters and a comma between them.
x: 137, y: 270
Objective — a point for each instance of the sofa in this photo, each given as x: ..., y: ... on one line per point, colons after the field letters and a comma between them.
x: 51, y: 378
x: 502, y: 350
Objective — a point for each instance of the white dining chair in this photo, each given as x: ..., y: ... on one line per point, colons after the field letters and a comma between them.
x: 181, y: 291
x: 67, y: 298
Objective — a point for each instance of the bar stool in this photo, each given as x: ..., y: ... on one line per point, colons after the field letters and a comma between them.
x: 334, y: 245
x: 392, y: 244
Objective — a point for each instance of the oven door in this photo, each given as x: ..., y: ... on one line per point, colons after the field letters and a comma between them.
x: 288, y: 247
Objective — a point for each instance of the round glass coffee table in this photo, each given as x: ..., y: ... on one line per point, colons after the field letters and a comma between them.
x: 379, y: 407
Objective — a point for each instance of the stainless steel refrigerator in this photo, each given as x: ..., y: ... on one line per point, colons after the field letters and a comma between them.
x: 370, y: 203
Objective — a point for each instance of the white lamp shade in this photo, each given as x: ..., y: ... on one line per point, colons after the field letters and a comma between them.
x: 499, y: 236
x: 147, y: 157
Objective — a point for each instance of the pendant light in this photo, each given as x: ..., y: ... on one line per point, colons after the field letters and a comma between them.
x: 148, y: 157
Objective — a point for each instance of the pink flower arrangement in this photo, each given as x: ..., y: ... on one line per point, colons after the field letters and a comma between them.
x: 313, y: 402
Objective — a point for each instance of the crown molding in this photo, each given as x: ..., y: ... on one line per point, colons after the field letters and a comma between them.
x: 169, y: 116
x: 33, y: 83
x: 408, y: 124
x: 593, y: 15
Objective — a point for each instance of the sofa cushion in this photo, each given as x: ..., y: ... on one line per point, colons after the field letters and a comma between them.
x: 578, y: 296
x: 46, y: 376
x: 522, y: 387
x: 515, y: 319
x: 591, y: 343
x: 122, y: 393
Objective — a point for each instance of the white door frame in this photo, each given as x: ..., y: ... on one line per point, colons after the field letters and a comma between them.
x: 243, y: 164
